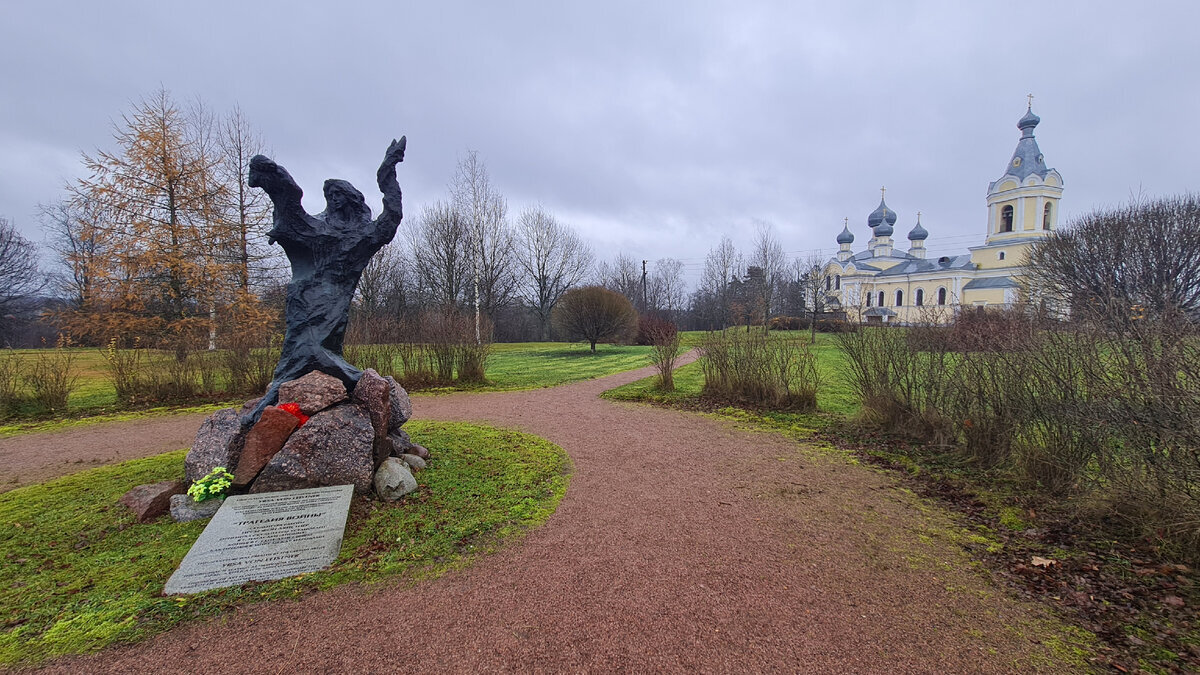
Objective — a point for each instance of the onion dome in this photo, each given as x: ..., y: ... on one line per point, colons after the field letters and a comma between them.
x: 1027, y: 123
x: 846, y: 237
x: 882, y: 215
x: 918, y: 233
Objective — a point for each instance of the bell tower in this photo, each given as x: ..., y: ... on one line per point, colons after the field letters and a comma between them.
x: 1023, y: 202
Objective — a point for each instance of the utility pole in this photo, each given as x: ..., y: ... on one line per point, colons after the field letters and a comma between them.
x: 643, y: 285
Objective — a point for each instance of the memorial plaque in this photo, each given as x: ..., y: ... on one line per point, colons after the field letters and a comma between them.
x: 265, y: 537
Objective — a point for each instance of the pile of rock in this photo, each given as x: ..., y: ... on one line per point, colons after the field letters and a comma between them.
x: 328, y: 437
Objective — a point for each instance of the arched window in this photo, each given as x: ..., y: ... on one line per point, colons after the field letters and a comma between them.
x: 837, y: 282
x: 1006, y: 219
x: 828, y: 283
x: 881, y: 298
x: 1000, y: 256
x: 920, y: 297
x: 941, y: 296
x: 899, y: 298
x: 1046, y: 218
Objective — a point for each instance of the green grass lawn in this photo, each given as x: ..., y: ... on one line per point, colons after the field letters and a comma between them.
x: 79, y: 574
x: 533, y: 365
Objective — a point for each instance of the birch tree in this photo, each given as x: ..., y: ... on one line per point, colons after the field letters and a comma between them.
x: 552, y: 258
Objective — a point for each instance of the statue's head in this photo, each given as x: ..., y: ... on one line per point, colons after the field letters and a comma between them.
x: 344, y: 202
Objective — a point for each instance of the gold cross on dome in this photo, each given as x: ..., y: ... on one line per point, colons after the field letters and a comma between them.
x: 1030, y: 97
x: 882, y: 192
x: 918, y: 215
x: 846, y: 221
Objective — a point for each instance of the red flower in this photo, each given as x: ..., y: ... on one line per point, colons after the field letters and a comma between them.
x: 294, y: 409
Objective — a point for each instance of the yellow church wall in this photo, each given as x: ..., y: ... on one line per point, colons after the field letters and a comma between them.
x: 1032, y: 217
x: 1007, y: 185
x: 988, y: 258
x: 989, y: 296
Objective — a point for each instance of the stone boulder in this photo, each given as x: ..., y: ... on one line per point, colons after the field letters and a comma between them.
x: 335, y: 447
x: 314, y: 392
x: 401, y: 442
x: 419, y: 451
x: 184, y: 508
x: 393, y: 480
x: 372, y: 394
x: 218, y: 443
x: 414, y: 463
x: 153, y: 500
x: 401, y: 405
x: 263, y: 440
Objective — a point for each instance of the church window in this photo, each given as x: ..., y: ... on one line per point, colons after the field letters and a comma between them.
x: 899, y: 298
x: 920, y: 297
x: 828, y: 283
x: 837, y: 282
x: 1006, y: 219
x: 881, y: 298
x: 941, y: 296
x: 1000, y: 256
x: 869, y: 296
x: 1046, y: 218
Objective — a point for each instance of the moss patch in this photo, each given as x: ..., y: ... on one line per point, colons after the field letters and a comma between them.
x: 77, y: 574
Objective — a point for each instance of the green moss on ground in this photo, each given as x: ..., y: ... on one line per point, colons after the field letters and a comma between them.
x: 78, y: 574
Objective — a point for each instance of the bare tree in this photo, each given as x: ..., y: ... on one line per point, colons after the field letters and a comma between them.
x: 595, y: 314
x: 490, y: 239
x: 816, y: 283
x: 385, y: 284
x: 552, y: 258
x: 769, y: 258
x: 73, y: 231
x: 666, y: 286
x: 19, y: 276
x: 247, y: 212
x: 438, y: 239
x: 720, y: 266
x: 623, y: 275
x: 1138, y: 260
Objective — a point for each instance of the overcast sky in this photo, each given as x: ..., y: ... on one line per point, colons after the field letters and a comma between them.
x: 652, y: 127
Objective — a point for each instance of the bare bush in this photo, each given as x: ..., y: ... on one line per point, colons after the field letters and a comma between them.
x: 595, y: 314
x: 663, y: 337
x: 756, y: 369
x: 10, y: 380
x: 52, y: 376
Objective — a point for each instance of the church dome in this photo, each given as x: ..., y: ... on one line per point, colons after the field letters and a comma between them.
x: 1028, y: 122
x: 918, y: 233
x: 846, y: 237
x: 881, y: 220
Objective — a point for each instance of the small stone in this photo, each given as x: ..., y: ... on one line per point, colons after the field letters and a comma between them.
x: 393, y: 480
x: 1173, y: 601
x: 151, y: 501
x: 401, y: 405
x: 218, y: 443
x: 184, y: 508
x: 414, y: 462
x: 419, y: 451
x: 401, y: 442
x: 335, y: 447
x: 372, y: 393
x: 314, y: 392
x: 262, y: 442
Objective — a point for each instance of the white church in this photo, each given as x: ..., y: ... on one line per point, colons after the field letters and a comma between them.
x: 889, y: 285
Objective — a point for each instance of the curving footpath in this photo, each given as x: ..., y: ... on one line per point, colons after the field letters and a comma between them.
x: 682, y: 545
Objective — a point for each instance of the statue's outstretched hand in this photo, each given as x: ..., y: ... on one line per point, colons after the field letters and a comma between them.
x: 263, y: 172
x: 395, y: 153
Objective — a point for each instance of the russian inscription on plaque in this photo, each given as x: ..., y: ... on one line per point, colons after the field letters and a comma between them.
x: 264, y: 537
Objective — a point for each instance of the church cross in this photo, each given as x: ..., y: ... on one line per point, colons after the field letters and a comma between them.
x: 882, y: 192
x: 1030, y: 97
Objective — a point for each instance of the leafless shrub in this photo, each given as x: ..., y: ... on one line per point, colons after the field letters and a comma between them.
x: 595, y: 314
x: 754, y: 368
x: 10, y: 380
x: 663, y: 338
x: 52, y: 376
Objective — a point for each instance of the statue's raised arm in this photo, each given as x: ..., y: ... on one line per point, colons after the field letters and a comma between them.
x: 285, y: 194
x: 393, y: 212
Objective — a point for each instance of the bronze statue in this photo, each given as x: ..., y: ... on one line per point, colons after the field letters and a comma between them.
x: 328, y: 253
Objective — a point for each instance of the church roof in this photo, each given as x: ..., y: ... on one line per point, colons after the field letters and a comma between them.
x: 879, y: 311
x: 991, y: 282
x: 919, y: 265
x: 1027, y: 159
x: 918, y: 233
x: 846, y: 237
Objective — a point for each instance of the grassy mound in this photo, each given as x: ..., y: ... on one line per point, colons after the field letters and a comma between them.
x: 78, y: 573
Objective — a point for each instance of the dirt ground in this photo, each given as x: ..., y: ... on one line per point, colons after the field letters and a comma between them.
x: 683, y: 544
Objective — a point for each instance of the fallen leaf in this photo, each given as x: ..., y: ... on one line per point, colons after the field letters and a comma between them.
x: 1173, y: 601
x: 1039, y: 561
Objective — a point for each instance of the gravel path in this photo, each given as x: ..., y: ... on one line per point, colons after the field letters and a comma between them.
x: 683, y: 544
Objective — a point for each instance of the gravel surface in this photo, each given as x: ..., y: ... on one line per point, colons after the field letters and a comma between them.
x: 683, y: 544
